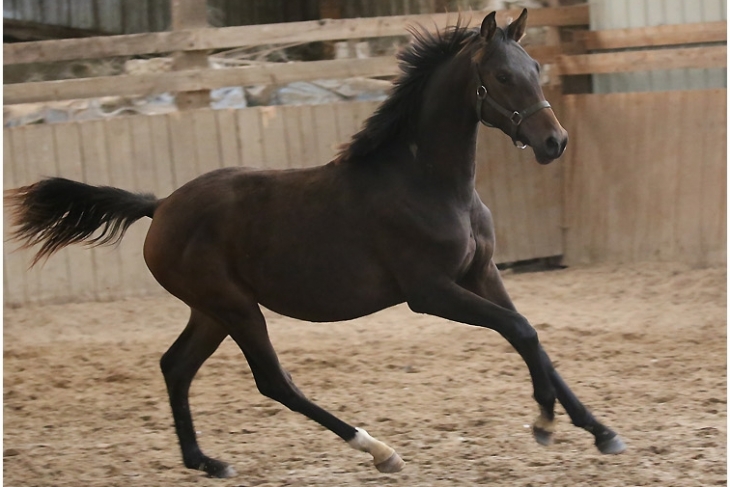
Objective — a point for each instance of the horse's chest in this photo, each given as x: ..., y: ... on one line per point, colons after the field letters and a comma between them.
x: 469, y: 253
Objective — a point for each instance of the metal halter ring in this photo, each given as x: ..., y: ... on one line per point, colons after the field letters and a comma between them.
x: 482, y: 92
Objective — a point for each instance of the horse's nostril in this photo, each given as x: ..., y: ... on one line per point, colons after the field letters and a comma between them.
x: 553, y: 146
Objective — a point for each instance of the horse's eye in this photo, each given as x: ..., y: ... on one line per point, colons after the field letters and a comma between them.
x: 503, y: 78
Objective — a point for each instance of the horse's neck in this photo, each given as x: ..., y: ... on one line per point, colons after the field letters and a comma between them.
x: 445, y: 142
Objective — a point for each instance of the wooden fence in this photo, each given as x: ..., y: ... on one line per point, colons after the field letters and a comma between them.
x: 202, y: 39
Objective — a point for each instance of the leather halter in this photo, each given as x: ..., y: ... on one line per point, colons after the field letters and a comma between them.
x: 514, y: 116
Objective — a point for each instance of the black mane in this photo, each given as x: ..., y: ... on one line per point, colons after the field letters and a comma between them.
x: 400, y: 110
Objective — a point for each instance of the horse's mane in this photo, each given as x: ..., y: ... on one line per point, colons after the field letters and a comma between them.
x: 400, y: 110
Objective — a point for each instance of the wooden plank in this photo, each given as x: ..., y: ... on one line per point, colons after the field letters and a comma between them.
x: 82, y: 280
x: 660, y: 35
x: 124, y: 170
x: 254, y: 35
x: 663, y: 140
x: 347, y: 125
x: 688, y: 208
x: 711, y: 129
x: 250, y: 138
x: 227, y: 123
x: 307, y: 125
x: 273, y: 137
x: 165, y: 182
x: 182, y: 142
x: 107, y: 262
x: 190, y: 14
x: 25, y: 173
x: 295, y: 145
x: 578, y: 168
x: 207, y: 147
x: 639, y: 116
x: 327, y: 138
x: 145, y: 172
x: 192, y: 80
x: 40, y: 149
x: 614, y: 62
x: 15, y: 263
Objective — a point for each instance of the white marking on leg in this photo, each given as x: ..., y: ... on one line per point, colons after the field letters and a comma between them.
x: 384, y: 457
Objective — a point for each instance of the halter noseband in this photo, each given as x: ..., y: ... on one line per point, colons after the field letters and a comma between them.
x: 515, y: 117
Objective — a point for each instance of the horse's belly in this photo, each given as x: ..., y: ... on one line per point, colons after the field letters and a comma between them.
x: 327, y: 293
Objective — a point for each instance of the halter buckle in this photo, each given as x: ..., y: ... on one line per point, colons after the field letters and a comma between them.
x: 516, y: 118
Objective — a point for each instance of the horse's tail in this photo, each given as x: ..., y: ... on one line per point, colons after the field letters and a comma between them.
x: 56, y: 212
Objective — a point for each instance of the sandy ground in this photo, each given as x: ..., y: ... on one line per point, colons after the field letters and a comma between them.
x: 644, y: 347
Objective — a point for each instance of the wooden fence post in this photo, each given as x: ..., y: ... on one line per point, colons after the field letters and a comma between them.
x: 190, y: 14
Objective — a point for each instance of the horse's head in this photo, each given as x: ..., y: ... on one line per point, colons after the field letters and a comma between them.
x: 509, y: 95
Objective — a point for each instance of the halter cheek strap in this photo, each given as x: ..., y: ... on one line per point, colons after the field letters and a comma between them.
x: 515, y: 117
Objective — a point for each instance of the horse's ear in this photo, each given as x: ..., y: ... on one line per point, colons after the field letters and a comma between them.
x: 489, y: 26
x: 516, y: 30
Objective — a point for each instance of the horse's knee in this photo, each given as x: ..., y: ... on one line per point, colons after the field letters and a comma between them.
x: 524, y: 336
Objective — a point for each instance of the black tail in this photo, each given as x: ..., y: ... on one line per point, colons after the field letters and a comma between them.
x: 56, y: 212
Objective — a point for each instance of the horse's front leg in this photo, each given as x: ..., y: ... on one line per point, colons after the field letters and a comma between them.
x: 446, y: 299
x: 486, y: 282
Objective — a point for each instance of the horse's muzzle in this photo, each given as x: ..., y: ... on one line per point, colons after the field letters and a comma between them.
x: 552, y: 147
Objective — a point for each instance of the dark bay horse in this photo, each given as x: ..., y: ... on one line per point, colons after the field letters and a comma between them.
x: 394, y: 218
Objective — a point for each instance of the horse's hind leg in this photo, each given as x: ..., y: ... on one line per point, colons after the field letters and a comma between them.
x: 179, y: 365
x: 247, y: 326
x: 488, y: 284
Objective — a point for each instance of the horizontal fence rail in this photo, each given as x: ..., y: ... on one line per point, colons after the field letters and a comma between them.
x: 661, y: 35
x: 645, y: 60
x: 207, y: 79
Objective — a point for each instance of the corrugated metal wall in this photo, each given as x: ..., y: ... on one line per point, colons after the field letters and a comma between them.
x: 106, y: 16
x: 621, y: 14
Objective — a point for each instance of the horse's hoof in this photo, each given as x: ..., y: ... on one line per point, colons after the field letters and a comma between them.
x: 393, y: 464
x: 227, y: 473
x: 543, y: 437
x: 611, y: 446
x: 217, y: 469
